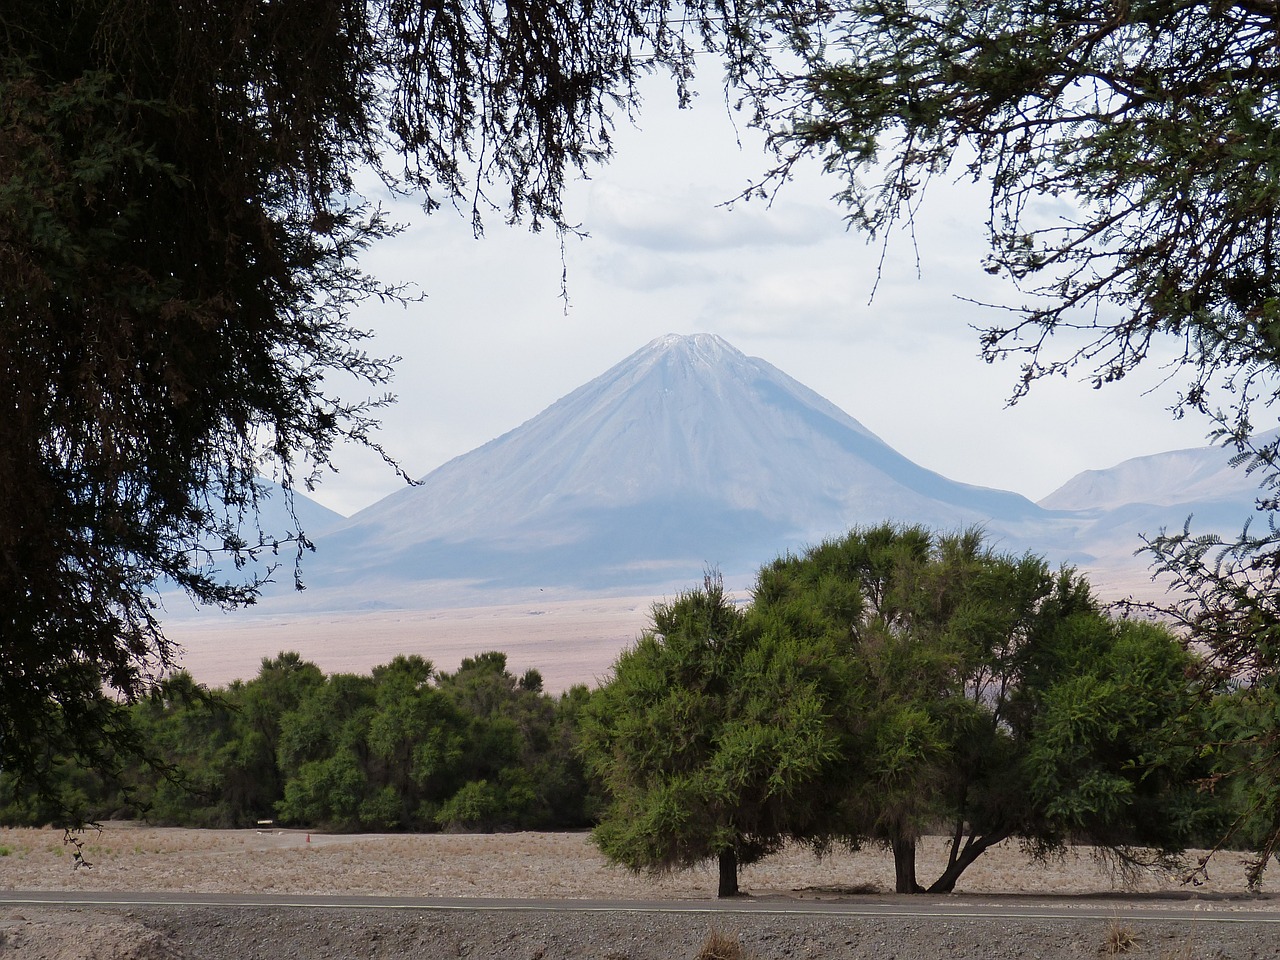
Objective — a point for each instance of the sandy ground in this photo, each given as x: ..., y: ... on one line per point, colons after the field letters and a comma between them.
x: 557, y: 865
x: 568, y: 641
x: 128, y: 857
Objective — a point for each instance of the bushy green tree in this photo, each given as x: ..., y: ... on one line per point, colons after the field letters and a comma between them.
x: 404, y: 748
x: 410, y: 747
x: 991, y: 699
x: 416, y: 738
x: 183, y: 778
x: 711, y: 739
x: 575, y: 796
x: 174, y: 290
x: 1229, y: 605
x: 323, y: 754
x: 253, y: 783
x: 1113, y: 752
x: 518, y: 763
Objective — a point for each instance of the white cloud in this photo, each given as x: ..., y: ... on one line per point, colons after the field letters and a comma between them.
x: 688, y: 220
x: 494, y: 342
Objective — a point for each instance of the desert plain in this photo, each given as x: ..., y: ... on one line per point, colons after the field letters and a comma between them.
x: 567, y: 641
x: 566, y: 867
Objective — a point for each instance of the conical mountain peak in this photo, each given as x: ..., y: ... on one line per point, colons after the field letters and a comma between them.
x: 664, y: 364
x: 706, y: 347
x: 686, y: 453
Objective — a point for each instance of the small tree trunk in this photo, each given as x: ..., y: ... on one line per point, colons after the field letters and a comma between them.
x: 962, y: 858
x: 728, y: 873
x: 947, y: 882
x: 904, y: 864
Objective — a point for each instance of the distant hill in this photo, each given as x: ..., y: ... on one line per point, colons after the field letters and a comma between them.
x: 315, y: 519
x: 1114, y: 508
x: 1200, y: 474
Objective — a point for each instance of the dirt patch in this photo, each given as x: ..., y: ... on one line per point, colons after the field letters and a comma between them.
x: 559, y: 865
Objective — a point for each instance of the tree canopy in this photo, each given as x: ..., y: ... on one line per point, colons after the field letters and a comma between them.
x: 405, y: 747
x: 1130, y: 155
x: 989, y: 698
x: 887, y: 685
x: 712, y: 739
x: 179, y: 228
x: 1152, y: 121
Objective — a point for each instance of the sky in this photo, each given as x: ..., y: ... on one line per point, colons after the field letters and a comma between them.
x: 892, y: 343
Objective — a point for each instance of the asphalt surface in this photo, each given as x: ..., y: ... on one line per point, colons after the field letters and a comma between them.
x: 1262, y: 909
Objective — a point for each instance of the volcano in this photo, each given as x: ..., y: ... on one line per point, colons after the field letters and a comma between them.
x: 687, y: 455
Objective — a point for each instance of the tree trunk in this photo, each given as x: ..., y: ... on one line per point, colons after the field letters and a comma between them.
x: 961, y: 859
x: 728, y: 873
x: 904, y: 864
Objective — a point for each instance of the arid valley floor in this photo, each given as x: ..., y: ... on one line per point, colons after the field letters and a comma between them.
x: 128, y: 857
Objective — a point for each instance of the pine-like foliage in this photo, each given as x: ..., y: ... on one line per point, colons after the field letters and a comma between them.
x: 1133, y: 168
x: 179, y: 228
x: 711, y: 738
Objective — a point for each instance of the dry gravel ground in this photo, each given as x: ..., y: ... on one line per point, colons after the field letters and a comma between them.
x: 127, y: 857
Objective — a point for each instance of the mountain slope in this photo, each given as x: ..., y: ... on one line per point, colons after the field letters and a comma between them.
x: 277, y: 520
x: 689, y: 454
x: 1200, y: 474
x: 313, y: 517
x: 686, y: 454
x: 1116, y: 508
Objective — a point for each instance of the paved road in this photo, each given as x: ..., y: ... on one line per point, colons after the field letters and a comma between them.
x: 1256, y: 910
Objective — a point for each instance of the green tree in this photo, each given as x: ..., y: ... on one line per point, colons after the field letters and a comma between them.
x: 516, y: 757
x: 253, y: 783
x: 711, y: 739
x: 323, y: 755
x: 576, y: 797
x: 416, y: 739
x: 1228, y: 606
x: 187, y: 731
x: 989, y: 699
x: 167, y: 317
x: 1155, y: 122
x: 410, y: 747
x: 402, y: 748
x: 179, y: 232
x: 1112, y: 752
